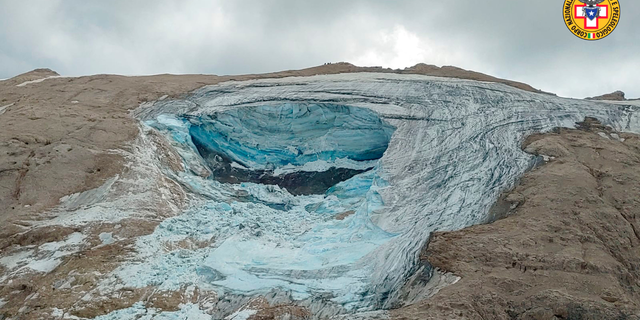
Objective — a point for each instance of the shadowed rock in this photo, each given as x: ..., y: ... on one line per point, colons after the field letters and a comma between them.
x: 613, y: 96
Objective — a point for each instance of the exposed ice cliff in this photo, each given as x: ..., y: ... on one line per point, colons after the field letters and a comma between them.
x: 293, y: 134
x: 417, y: 154
x: 291, y: 145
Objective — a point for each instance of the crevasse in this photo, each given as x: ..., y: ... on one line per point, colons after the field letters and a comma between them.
x: 425, y: 154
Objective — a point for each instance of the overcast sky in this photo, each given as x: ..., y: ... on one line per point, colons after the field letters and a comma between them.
x: 520, y: 40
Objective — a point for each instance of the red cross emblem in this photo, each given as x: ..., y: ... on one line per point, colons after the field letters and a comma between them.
x: 591, y: 22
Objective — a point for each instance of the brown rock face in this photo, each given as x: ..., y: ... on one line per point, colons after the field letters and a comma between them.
x: 614, y: 96
x: 569, y: 250
x: 455, y: 72
x: 58, y: 136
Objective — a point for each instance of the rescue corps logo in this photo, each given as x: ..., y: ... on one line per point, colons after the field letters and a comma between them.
x: 591, y: 19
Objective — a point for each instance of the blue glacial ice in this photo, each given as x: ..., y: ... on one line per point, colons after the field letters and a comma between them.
x: 293, y: 134
x: 431, y: 154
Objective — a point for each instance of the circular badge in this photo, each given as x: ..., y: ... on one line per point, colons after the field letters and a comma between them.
x: 591, y: 19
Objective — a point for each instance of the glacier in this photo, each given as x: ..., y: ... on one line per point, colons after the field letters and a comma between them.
x: 323, y: 190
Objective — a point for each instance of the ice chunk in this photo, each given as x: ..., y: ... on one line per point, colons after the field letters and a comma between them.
x: 106, y: 238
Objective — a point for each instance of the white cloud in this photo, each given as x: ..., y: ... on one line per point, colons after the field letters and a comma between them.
x: 399, y: 48
x: 253, y: 36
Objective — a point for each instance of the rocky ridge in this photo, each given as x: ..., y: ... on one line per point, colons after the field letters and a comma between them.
x: 613, y: 96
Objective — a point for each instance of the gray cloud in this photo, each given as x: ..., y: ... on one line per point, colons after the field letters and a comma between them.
x: 520, y: 40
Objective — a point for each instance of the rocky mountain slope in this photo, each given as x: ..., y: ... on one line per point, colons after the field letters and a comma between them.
x: 116, y: 206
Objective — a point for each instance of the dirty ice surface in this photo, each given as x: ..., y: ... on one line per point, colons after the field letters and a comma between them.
x: 44, y: 258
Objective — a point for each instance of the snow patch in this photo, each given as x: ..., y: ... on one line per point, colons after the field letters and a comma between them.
x: 37, y: 81
x: 45, y: 265
x: 57, y: 313
x: 617, y: 137
x: 75, y: 238
x: 44, y: 258
x: 64, y: 283
x: 106, y: 238
x: 17, y: 259
x: 3, y: 109
x: 242, y: 314
x: 547, y: 158
x: 139, y: 311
